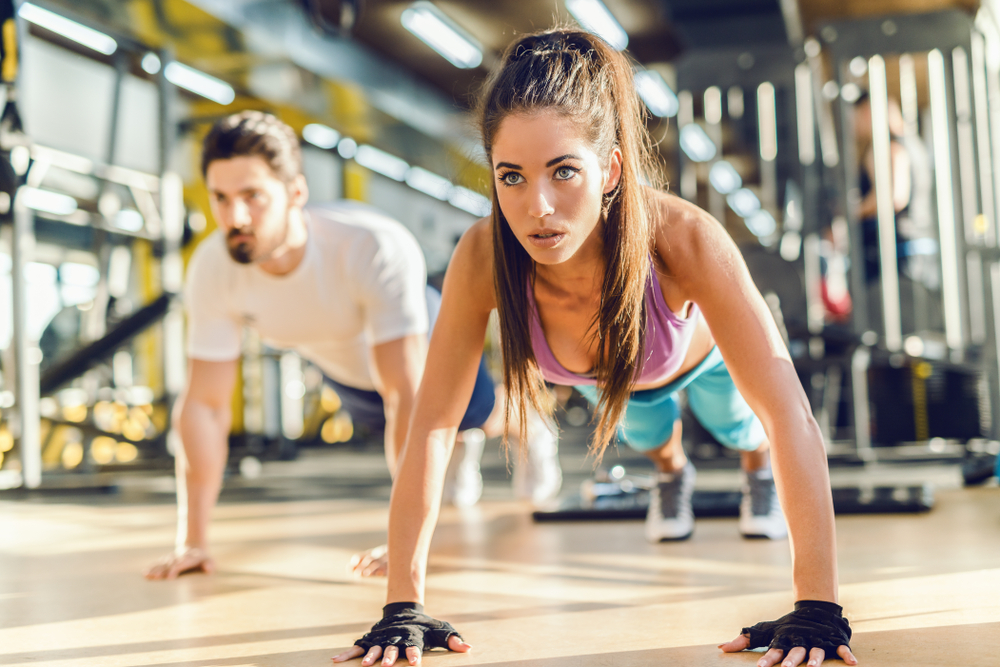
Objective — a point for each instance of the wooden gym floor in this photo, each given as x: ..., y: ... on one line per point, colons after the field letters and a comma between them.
x: 918, y: 589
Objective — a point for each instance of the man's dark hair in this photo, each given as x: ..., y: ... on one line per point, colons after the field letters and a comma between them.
x: 251, y: 133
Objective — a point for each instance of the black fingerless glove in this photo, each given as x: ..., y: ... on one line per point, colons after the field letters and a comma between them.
x: 405, y: 624
x: 813, y: 624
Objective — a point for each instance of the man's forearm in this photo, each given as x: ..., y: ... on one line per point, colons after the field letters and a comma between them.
x: 398, y: 410
x: 204, y: 433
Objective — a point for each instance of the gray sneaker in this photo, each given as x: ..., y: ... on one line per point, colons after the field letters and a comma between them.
x: 670, y: 516
x: 760, y: 512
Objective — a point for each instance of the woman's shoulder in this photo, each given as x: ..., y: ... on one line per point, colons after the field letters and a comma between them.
x: 683, y: 233
x: 472, y: 261
x: 476, y: 243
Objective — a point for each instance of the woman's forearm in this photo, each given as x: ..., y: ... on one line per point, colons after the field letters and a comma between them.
x: 413, y: 511
x: 802, y: 478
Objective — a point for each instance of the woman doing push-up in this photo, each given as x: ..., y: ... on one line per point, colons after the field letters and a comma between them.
x: 605, y: 283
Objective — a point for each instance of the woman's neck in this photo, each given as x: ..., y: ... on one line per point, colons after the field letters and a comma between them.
x: 580, y: 274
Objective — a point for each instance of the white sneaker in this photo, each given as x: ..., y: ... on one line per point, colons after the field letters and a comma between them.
x: 670, y: 516
x: 537, y: 473
x: 760, y: 511
x: 463, y: 481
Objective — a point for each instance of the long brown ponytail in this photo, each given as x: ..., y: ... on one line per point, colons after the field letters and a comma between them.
x: 578, y: 75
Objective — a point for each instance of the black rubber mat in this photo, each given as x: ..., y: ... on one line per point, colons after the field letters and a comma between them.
x: 633, y: 505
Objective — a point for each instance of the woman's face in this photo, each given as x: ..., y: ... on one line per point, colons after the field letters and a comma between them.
x: 550, y: 183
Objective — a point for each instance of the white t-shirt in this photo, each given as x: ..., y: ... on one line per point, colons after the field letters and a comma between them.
x: 361, y: 282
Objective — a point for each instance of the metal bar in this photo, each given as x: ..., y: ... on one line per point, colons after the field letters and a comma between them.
x: 993, y: 107
x: 980, y: 96
x: 889, y: 272
x: 827, y: 127
x: 713, y: 127
x: 689, y: 173
x: 859, y: 391
x: 908, y: 94
x: 950, y: 284
x: 26, y: 352
x: 977, y: 298
x: 995, y: 289
x: 767, y: 128
x: 966, y: 145
x: 88, y: 356
x: 815, y: 312
x: 172, y: 228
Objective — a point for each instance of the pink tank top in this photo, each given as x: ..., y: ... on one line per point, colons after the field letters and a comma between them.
x: 666, y: 341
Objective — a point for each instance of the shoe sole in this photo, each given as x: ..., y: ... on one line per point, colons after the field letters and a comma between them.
x: 673, y: 539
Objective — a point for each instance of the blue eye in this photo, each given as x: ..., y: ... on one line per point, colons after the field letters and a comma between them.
x: 511, y: 178
x: 565, y: 173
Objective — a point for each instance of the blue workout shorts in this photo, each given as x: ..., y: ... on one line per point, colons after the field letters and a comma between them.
x: 714, y: 400
x: 366, y: 407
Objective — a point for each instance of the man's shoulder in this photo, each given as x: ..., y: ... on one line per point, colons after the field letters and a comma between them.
x: 210, y: 252
x: 349, y: 222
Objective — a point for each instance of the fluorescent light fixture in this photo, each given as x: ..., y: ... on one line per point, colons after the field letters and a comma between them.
x: 72, y: 30
x: 199, y: 83
x: 469, y: 201
x: 381, y: 162
x: 429, y: 183
x: 83, y: 275
x: 151, y: 63
x: 47, y: 201
x: 767, y: 121
x: 129, y: 219
x: 724, y: 178
x: 320, y: 135
x: 761, y: 223
x: 696, y: 144
x: 713, y: 105
x: 594, y: 17
x: 743, y: 202
x: 734, y: 100
x: 791, y: 246
x: 39, y: 272
x: 347, y: 148
x: 656, y: 94
x: 439, y: 32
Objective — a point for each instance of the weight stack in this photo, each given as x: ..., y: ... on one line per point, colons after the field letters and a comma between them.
x: 922, y: 399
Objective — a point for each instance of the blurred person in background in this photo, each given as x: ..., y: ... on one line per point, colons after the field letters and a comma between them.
x: 341, y: 283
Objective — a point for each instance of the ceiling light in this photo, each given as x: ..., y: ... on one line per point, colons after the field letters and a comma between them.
x: 443, y: 35
x: 151, y: 63
x: 743, y: 202
x: 47, y: 201
x: 73, y: 273
x: 347, y: 148
x: 381, y: 162
x: 724, y: 177
x: 429, y: 183
x: 320, y: 135
x: 696, y: 144
x: 130, y: 220
x: 761, y: 223
x: 594, y: 17
x: 656, y: 94
x: 61, y: 25
x: 469, y: 201
x: 199, y: 83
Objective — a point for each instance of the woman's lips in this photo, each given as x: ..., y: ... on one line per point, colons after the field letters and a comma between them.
x: 546, y: 239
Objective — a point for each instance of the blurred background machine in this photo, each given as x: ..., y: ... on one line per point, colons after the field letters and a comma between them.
x: 849, y: 148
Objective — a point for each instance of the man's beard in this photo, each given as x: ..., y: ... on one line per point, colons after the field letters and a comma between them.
x: 242, y: 253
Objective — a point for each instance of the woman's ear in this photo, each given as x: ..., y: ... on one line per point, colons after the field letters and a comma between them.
x: 614, y: 170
